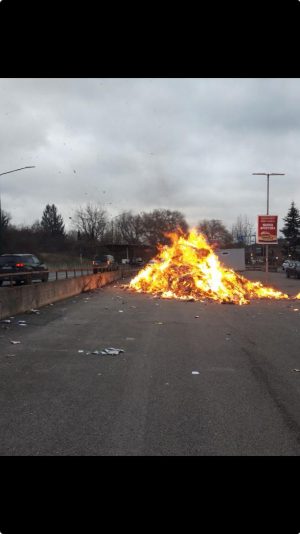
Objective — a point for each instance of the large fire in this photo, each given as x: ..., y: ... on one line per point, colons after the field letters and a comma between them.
x: 189, y: 269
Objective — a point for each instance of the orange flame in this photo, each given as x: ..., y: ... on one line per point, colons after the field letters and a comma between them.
x: 189, y: 269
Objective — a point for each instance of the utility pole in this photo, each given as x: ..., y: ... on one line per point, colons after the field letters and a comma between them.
x: 1, y: 174
x: 267, y: 174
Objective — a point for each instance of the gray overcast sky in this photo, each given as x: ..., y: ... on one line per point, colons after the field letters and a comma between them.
x: 185, y: 144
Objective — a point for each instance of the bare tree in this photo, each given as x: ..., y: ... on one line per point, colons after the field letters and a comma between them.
x: 91, y: 221
x: 5, y: 219
x: 242, y: 230
x: 215, y: 232
x: 159, y: 222
x: 129, y: 228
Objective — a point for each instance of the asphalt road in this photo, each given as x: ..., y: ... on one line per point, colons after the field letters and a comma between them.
x: 244, y: 400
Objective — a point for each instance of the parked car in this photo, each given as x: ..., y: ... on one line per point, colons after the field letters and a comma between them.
x: 17, y: 264
x: 293, y: 269
x: 137, y: 261
x: 105, y: 261
x: 285, y: 264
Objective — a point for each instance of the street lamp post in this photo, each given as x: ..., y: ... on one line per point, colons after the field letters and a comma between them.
x: 268, y: 174
x: 1, y: 174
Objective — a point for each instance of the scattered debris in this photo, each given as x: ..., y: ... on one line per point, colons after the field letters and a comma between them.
x: 15, y: 342
x: 112, y: 351
x: 159, y: 322
x: 81, y: 351
x: 96, y: 352
x: 195, y: 373
x: 33, y: 310
x: 121, y: 311
x: 296, y: 309
x: 296, y: 370
x: 197, y: 316
x: 130, y: 338
x: 6, y: 321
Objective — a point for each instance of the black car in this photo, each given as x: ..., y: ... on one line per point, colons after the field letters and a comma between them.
x: 293, y: 269
x: 106, y: 262
x: 17, y: 264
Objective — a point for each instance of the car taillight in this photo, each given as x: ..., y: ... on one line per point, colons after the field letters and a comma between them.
x: 19, y: 264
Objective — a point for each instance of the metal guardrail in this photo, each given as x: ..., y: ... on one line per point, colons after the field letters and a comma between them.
x: 81, y: 270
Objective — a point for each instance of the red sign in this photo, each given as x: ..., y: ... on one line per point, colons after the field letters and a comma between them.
x: 267, y: 229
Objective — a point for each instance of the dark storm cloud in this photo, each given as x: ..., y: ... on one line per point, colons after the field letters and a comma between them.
x: 187, y: 144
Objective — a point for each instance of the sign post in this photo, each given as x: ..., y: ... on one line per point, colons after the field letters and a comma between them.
x: 267, y: 233
x: 268, y: 174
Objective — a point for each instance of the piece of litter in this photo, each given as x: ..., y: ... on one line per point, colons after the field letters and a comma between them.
x: 96, y: 352
x: 197, y: 316
x: 296, y: 370
x: 195, y: 373
x: 7, y: 321
x: 296, y: 309
x: 159, y: 323
x: 121, y: 311
x: 15, y: 342
x: 23, y: 324
x: 81, y: 351
x: 33, y: 310
x: 22, y: 321
x: 112, y: 351
x: 130, y: 338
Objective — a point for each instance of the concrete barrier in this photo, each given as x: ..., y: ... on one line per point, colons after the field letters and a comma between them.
x: 14, y: 300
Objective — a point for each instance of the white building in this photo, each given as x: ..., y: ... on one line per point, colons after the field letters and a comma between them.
x: 234, y: 258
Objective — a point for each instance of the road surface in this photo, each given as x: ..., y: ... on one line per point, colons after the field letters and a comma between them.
x: 244, y: 399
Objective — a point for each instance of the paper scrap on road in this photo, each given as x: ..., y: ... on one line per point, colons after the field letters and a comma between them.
x: 296, y: 370
x: 195, y: 373
x: 81, y: 351
x: 15, y: 342
x: 112, y: 351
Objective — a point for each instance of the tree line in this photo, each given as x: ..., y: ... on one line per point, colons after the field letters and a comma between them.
x: 92, y: 226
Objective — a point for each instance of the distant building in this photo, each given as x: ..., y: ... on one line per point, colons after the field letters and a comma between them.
x: 234, y: 258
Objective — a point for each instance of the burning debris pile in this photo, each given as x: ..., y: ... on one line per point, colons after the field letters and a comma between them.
x: 189, y: 269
